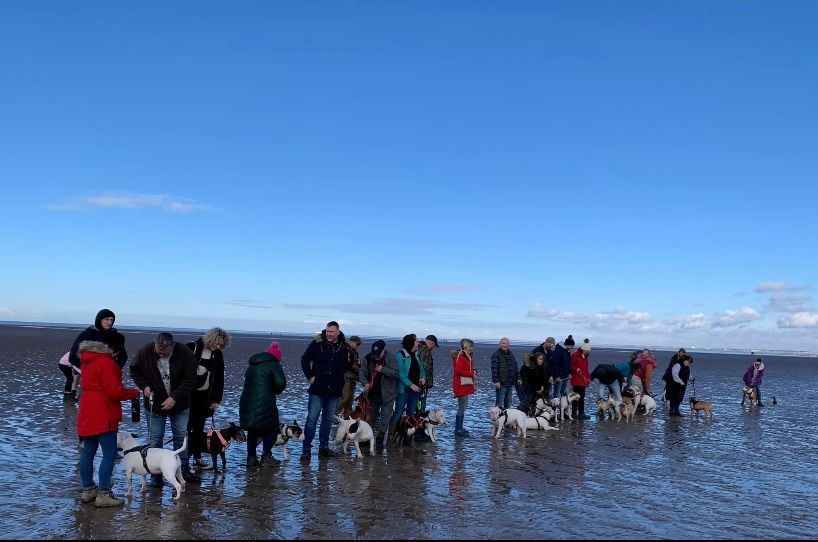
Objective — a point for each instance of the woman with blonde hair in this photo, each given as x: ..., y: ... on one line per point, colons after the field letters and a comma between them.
x: 463, y: 382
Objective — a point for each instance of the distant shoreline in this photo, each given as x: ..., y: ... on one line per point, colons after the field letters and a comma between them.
x: 368, y: 338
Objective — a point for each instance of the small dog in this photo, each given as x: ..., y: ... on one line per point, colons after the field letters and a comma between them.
x: 157, y: 460
x: 430, y: 422
x: 216, y: 441
x: 615, y: 407
x: 355, y: 431
x: 645, y: 400
x: 696, y: 406
x: 749, y: 394
x: 602, y: 406
x: 407, y: 427
x: 562, y: 405
x: 539, y: 422
x: 628, y: 410
x: 543, y: 410
x: 287, y: 433
x: 509, y: 417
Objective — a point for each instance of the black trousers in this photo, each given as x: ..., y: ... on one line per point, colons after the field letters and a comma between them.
x: 69, y: 377
x: 199, y: 413
x: 578, y: 407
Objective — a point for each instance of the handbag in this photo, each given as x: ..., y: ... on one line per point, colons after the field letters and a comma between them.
x: 466, y: 381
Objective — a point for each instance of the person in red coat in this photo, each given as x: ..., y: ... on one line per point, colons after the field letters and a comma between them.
x: 98, y: 419
x: 580, y: 378
x: 463, y: 382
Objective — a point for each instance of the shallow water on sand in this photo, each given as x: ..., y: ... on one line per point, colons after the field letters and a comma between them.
x: 745, y: 473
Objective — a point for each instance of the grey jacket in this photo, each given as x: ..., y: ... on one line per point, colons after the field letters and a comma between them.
x: 389, y: 375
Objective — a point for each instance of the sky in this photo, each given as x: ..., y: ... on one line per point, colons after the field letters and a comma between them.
x: 638, y: 173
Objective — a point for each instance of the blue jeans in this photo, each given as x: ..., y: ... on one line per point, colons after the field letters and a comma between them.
x: 408, y: 400
x: 613, y: 387
x: 178, y: 426
x: 560, y: 388
x: 503, y: 396
x: 106, y: 441
x: 315, y: 407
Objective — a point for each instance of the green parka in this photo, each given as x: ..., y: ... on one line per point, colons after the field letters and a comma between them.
x: 263, y: 380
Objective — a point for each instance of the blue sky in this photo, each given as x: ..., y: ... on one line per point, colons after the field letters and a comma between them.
x: 635, y: 173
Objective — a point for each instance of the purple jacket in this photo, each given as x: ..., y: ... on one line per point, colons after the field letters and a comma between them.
x: 748, y: 376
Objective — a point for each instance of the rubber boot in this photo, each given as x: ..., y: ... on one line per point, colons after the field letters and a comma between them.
x: 393, y: 429
x: 458, y: 426
x: 380, y: 436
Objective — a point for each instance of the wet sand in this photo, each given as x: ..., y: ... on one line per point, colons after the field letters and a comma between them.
x: 745, y: 473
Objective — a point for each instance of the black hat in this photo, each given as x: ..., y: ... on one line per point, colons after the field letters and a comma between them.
x: 569, y: 341
x: 378, y: 347
x: 432, y: 338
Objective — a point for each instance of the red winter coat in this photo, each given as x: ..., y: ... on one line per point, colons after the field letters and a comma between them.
x: 463, y: 367
x: 580, y: 375
x: 102, y: 390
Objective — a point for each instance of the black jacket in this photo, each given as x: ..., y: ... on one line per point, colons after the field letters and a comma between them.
x: 145, y: 372
x: 326, y: 362
x: 607, y: 374
x: 113, y: 338
x: 215, y: 365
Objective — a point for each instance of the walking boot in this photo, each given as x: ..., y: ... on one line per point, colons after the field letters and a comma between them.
x: 89, y: 494
x: 267, y: 460
x: 106, y: 499
x: 69, y: 397
x: 189, y: 477
x: 393, y: 429
x: 306, y: 456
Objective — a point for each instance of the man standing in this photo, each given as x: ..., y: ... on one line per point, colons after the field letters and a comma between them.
x: 166, y: 373
x: 504, y: 373
x: 425, y: 348
x: 350, y: 377
x: 323, y: 363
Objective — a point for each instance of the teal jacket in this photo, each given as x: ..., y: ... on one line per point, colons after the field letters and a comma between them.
x: 263, y: 380
x: 626, y: 370
x: 404, y: 362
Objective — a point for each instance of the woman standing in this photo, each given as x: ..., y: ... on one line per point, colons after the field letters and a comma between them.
x: 98, y: 418
x: 258, y: 412
x: 677, y: 384
x: 104, y: 331
x: 411, y: 377
x: 208, y: 390
x: 580, y: 378
x: 463, y: 382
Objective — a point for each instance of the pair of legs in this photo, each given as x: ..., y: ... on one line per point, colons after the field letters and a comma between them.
x: 503, y: 396
x: 675, y: 394
x: 347, y: 395
x: 323, y: 406
x: 560, y: 388
x: 268, y: 440
x: 462, y: 405
x: 178, y: 426
x: 578, y: 406
x: 408, y: 401
x: 606, y: 390
x: 72, y: 378
x: 199, y: 413
x: 106, y: 441
x: 382, y: 415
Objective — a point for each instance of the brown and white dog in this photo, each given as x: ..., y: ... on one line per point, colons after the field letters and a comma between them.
x: 749, y: 394
x: 628, y: 410
x: 704, y: 406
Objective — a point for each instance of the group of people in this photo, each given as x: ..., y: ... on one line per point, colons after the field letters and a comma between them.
x: 184, y: 384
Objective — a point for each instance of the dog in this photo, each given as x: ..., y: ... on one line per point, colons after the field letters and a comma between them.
x: 543, y: 409
x: 355, y: 431
x: 407, y: 427
x: 562, y: 405
x: 645, y: 400
x: 539, y: 422
x: 749, y: 394
x: 628, y: 410
x: 287, y: 433
x: 155, y: 461
x: 430, y: 422
x: 696, y: 406
x: 602, y: 406
x: 615, y: 407
x: 216, y: 441
x: 508, y: 417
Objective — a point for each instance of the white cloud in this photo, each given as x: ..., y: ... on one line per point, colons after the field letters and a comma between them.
x: 799, y: 320
x: 442, y: 289
x: 128, y: 200
x: 617, y: 318
x: 790, y: 303
x: 735, y: 317
x: 250, y: 303
x: 778, y: 286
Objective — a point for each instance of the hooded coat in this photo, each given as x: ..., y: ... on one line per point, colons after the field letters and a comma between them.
x: 113, y: 338
x: 263, y: 380
x: 326, y: 362
x: 463, y: 373
x: 580, y: 376
x: 100, y: 409
x: 749, y: 380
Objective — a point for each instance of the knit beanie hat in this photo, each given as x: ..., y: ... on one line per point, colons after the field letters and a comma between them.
x: 274, y: 350
x: 569, y: 341
x: 586, y: 346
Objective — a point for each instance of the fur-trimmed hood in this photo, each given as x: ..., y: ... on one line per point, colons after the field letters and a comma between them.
x: 95, y: 346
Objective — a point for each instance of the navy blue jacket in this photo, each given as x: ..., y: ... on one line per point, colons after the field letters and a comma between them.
x: 327, y: 362
x: 560, y: 366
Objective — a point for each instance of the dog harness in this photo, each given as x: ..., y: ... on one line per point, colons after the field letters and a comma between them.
x: 211, y: 432
x: 503, y: 414
x: 143, y: 451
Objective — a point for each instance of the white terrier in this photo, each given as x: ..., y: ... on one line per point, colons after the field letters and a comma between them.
x: 158, y: 461
x: 511, y: 417
x: 436, y: 417
x: 355, y: 431
x: 562, y: 405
